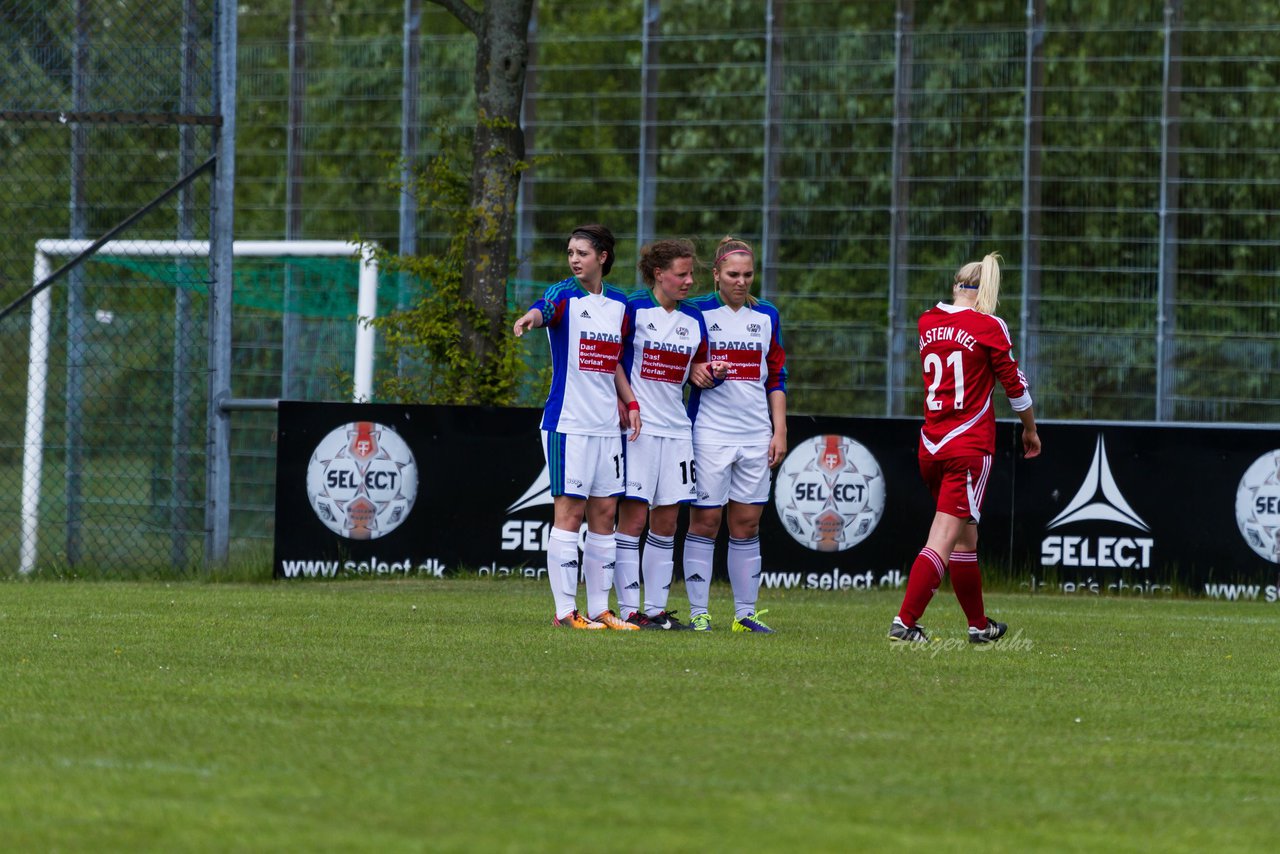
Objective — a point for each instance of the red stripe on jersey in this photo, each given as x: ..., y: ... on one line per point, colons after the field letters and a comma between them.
x: 776, y: 359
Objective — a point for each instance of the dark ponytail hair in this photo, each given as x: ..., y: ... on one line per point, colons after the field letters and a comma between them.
x: 601, y: 239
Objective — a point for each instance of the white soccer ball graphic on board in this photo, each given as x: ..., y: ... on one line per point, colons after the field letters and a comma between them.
x: 1258, y: 506
x: 829, y: 493
x: 362, y: 480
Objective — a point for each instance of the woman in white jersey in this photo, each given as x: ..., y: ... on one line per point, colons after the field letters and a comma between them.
x: 585, y: 319
x: 666, y: 343
x: 739, y: 434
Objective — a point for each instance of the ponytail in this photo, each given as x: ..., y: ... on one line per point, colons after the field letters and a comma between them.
x: 984, y: 277
x: 989, y: 284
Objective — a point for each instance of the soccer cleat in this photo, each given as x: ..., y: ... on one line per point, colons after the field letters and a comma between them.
x: 900, y: 631
x: 752, y: 623
x: 992, y: 633
x: 666, y: 620
x: 641, y: 621
x: 611, y: 620
x: 576, y: 621
x: 701, y: 623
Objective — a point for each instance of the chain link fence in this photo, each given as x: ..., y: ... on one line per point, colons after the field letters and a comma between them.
x: 104, y: 111
x: 1120, y: 160
x: 1123, y: 166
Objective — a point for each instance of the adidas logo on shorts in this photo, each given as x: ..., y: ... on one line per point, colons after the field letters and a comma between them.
x: 695, y: 578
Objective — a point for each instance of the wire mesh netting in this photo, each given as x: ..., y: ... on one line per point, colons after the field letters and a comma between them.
x: 104, y: 109
x: 1121, y: 161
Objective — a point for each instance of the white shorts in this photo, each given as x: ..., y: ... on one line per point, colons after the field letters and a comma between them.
x: 583, y: 466
x: 660, y: 470
x: 737, y: 472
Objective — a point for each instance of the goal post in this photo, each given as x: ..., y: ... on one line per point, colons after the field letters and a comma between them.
x: 47, y: 250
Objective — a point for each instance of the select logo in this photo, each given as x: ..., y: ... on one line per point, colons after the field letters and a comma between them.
x: 530, y: 535
x: 829, y: 493
x: 1098, y: 502
x: 362, y: 480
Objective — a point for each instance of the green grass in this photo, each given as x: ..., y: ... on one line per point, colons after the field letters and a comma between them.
x: 448, y: 715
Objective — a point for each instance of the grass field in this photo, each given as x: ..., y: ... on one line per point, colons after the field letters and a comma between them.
x: 448, y: 715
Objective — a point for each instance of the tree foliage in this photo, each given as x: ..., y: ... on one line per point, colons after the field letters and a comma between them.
x: 430, y: 359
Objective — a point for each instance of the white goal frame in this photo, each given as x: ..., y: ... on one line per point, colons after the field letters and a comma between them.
x: 41, y: 314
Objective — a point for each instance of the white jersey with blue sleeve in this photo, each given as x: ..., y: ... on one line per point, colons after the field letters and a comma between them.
x: 585, y: 332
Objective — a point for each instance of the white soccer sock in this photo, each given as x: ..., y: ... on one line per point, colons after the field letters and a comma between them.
x: 659, y: 564
x: 599, y: 557
x: 744, y: 574
x: 562, y: 570
x: 626, y: 574
x: 698, y: 555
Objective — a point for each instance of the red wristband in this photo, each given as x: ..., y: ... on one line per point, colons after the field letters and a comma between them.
x: 633, y: 406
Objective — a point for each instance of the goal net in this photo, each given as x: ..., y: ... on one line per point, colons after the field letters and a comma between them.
x: 115, y: 390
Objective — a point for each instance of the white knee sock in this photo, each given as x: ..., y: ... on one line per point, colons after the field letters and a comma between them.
x: 698, y: 555
x: 562, y: 570
x: 599, y: 558
x: 744, y: 574
x: 659, y: 564
x: 626, y: 574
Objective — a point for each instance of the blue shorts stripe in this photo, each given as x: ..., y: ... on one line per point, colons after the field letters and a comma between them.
x: 555, y: 462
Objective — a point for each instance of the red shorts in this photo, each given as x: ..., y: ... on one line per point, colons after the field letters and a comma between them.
x: 958, y: 484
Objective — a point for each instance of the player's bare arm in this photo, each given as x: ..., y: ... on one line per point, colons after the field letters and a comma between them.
x: 531, y: 319
x: 705, y: 374
x: 1030, y: 437
x: 627, y: 398
x: 778, y: 415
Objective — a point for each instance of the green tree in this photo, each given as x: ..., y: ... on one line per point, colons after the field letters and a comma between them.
x: 497, y: 158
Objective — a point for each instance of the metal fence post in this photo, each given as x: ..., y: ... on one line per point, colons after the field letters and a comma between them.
x: 899, y: 205
x: 648, y: 160
x: 1167, y: 264
x: 1032, y: 135
x: 76, y: 331
x: 218, y: 480
x: 772, y: 142
x: 411, y: 61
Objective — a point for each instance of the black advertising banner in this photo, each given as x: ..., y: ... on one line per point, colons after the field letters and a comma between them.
x: 1142, y: 509
x: 1132, y: 509
x: 388, y: 489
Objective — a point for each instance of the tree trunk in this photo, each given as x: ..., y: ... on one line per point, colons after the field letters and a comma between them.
x: 498, y: 153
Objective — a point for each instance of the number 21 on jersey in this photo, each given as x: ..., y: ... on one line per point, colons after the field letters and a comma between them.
x: 935, y: 371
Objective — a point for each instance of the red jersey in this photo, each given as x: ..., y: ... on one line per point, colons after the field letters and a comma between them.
x: 963, y: 353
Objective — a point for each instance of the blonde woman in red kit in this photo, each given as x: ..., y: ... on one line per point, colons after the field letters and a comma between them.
x: 965, y: 350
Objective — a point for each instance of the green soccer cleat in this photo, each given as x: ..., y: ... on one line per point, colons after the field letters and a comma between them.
x: 752, y: 623
x: 701, y: 623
